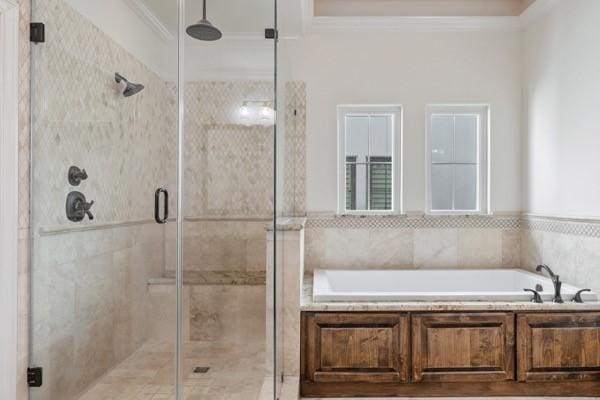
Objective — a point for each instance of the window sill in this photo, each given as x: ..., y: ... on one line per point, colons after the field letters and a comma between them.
x: 370, y: 215
x: 458, y: 214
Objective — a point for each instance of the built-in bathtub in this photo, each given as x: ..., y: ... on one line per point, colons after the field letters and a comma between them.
x: 435, y: 285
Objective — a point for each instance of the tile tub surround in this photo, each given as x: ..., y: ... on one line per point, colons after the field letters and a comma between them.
x: 571, y: 247
x: 412, y: 242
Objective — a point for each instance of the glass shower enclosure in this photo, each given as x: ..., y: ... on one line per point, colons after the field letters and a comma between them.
x: 153, y: 182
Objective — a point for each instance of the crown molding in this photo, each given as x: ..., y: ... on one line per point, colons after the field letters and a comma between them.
x: 150, y: 19
x: 312, y: 24
x: 414, y: 24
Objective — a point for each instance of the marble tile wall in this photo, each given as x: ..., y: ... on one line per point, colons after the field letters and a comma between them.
x: 89, y: 302
x: 228, y: 166
x: 412, y: 242
x: 219, y: 245
x: 211, y: 313
x: 229, y: 174
x: 81, y: 118
x: 570, y: 247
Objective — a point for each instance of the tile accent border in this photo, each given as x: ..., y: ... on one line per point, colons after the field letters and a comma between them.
x: 420, y: 222
x: 565, y: 225
x: 568, y: 226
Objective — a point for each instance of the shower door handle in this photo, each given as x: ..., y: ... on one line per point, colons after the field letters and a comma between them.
x: 157, y: 217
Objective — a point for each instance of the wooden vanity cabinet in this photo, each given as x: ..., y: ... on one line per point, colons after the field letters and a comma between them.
x: 396, y: 354
x: 558, y: 347
x: 463, y: 347
x: 356, y: 347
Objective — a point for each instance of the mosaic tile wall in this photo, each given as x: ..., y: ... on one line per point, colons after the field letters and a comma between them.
x: 81, y: 118
x: 294, y: 186
x: 229, y: 174
x: 228, y: 166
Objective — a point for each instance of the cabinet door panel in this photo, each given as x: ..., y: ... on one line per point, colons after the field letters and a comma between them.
x: 559, y: 347
x: 356, y: 347
x: 463, y: 347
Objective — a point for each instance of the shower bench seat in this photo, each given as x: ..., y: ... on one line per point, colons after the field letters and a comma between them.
x: 424, y: 353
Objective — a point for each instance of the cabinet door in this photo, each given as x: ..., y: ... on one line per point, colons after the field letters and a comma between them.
x: 463, y: 347
x: 355, y: 347
x: 554, y: 347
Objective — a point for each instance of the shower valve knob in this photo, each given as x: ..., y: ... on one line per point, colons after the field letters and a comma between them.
x: 77, y: 207
x: 76, y: 175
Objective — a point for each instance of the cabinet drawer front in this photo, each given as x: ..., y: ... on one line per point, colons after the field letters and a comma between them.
x: 559, y: 347
x: 356, y: 347
x: 463, y: 347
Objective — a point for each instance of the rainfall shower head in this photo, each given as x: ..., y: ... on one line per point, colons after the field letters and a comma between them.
x: 203, y: 29
x: 131, y: 88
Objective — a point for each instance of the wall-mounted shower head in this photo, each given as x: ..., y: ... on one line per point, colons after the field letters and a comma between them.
x: 131, y: 88
x: 203, y: 29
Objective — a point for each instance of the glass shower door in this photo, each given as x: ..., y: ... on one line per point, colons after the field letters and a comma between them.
x: 229, y: 201
x: 134, y: 103
x: 104, y: 155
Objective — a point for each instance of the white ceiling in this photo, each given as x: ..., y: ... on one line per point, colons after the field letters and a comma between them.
x: 232, y: 16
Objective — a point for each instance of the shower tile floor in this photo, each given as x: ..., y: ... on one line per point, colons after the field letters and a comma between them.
x: 236, y: 373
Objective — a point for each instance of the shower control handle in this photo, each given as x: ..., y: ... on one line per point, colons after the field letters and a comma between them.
x: 157, y: 217
x: 77, y: 207
x: 77, y: 175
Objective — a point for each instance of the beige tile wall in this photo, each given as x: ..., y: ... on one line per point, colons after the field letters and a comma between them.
x: 90, y: 301
x: 571, y: 248
x: 419, y: 242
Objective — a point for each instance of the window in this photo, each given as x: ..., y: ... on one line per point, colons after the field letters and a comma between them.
x: 457, y: 159
x: 369, y: 159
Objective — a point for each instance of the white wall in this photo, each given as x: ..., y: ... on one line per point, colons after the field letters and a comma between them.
x: 562, y: 119
x: 412, y: 69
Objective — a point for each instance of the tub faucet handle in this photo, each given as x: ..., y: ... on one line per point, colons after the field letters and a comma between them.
x: 536, y: 296
x: 577, y: 298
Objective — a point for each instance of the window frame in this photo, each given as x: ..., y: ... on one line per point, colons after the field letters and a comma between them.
x: 483, y: 155
x: 396, y: 111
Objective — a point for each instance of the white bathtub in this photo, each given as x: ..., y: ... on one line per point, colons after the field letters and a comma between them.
x: 434, y: 285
